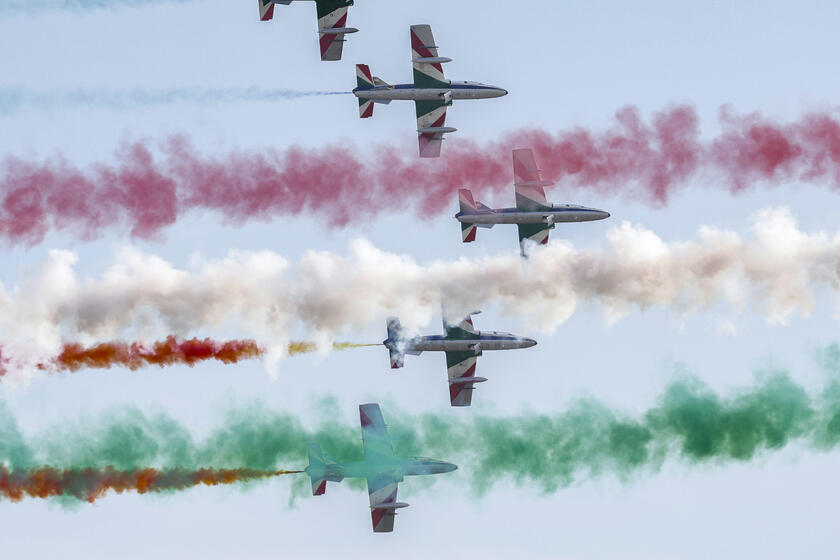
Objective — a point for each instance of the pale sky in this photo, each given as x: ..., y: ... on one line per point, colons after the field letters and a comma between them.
x: 565, y: 64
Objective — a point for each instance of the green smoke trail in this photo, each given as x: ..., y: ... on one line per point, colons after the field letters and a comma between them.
x: 690, y: 423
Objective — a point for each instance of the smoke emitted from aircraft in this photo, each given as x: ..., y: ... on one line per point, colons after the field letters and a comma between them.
x: 23, y: 6
x: 168, y: 352
x: 148, y: 186
x: 91, y: 484
x: 690, y: 424
x: 776, y: 269
x: 13, y: 100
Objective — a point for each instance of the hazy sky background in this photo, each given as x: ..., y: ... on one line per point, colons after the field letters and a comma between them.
x: 565, y: 64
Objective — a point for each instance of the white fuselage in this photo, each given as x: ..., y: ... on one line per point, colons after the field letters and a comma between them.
x: 557, y: 214
x: 485, y: 341
x: 457, y: 90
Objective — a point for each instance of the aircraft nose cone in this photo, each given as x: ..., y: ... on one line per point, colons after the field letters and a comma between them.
x: 503, y: 92
x: 449, y: 467
x: 530, y: 342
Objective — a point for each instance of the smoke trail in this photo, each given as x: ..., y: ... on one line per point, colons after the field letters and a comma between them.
x: 15, y: 99
x: 92, y: 484
x: 27, y: 7
x: 172, y: 351
x: 777, y: 269
x: 146, y: 190
x: 690, y: 424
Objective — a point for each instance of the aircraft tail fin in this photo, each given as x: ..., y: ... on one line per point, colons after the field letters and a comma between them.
x: 317, y: 469
x: 395, y: 336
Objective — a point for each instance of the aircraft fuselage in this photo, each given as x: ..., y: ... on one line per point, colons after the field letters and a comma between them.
x: 485, y: 341
x: 557, y: 214
x: 396, y: 468
x: 457, y: 90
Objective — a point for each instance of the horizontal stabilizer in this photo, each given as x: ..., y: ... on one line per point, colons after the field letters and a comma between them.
x: 266, y: 9
x: 364, y: 79
x: 365, y: 108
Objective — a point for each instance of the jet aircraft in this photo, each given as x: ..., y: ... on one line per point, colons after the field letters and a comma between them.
x: 332, y: 18
x: 381, y: 467
x: 533, y: 214
x: 462, y: 345
x: 431, y: 92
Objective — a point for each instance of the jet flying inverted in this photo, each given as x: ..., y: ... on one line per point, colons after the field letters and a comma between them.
x: 332, y: 18
x: 462, y: 345
x: 533, y: 214
x: 431, y: 92
x: 381, y: 467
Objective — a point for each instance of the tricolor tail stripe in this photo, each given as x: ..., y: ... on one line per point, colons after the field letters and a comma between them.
x: 365, y: 108
x: 266, y: 9
x: 364, y: 79
x: 468, y: 232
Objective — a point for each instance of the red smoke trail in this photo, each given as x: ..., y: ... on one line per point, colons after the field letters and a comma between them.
x: 171, y: 351
x: 92, y: 484
x: 134, y: 355
x: 646, y: 160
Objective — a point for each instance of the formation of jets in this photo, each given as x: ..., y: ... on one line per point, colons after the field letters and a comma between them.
x: 461, y: 343
x: 381, y: 468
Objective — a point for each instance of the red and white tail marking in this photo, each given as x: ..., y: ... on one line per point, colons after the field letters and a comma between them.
x: 266, y: 9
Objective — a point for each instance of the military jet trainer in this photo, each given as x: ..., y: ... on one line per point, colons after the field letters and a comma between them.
x: 533, y: 214
x: 332, y: 18
x: 431, y: 92
x: 462, y: 345
x: 381, y: 467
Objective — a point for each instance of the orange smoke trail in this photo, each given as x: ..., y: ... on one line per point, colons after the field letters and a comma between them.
x: 134, y: 355
x: 92, y: 484
x: 306, y: 347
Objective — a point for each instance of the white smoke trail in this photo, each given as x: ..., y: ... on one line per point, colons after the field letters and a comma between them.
x: 777, y: 268
x: 15, y: 99
x: 28, y: 7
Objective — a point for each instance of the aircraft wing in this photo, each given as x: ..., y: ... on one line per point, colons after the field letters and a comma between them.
x: 537, y: 233
x: 460, y: 368
x: 530, y: 196
x: 463, y: 330
x: 431, y: 116
x: 528, y: 182
x: 332, y: 19
x: 375, y: 439
x: 428, y: 66
x: 428, y: 74
x: 382, y: 492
